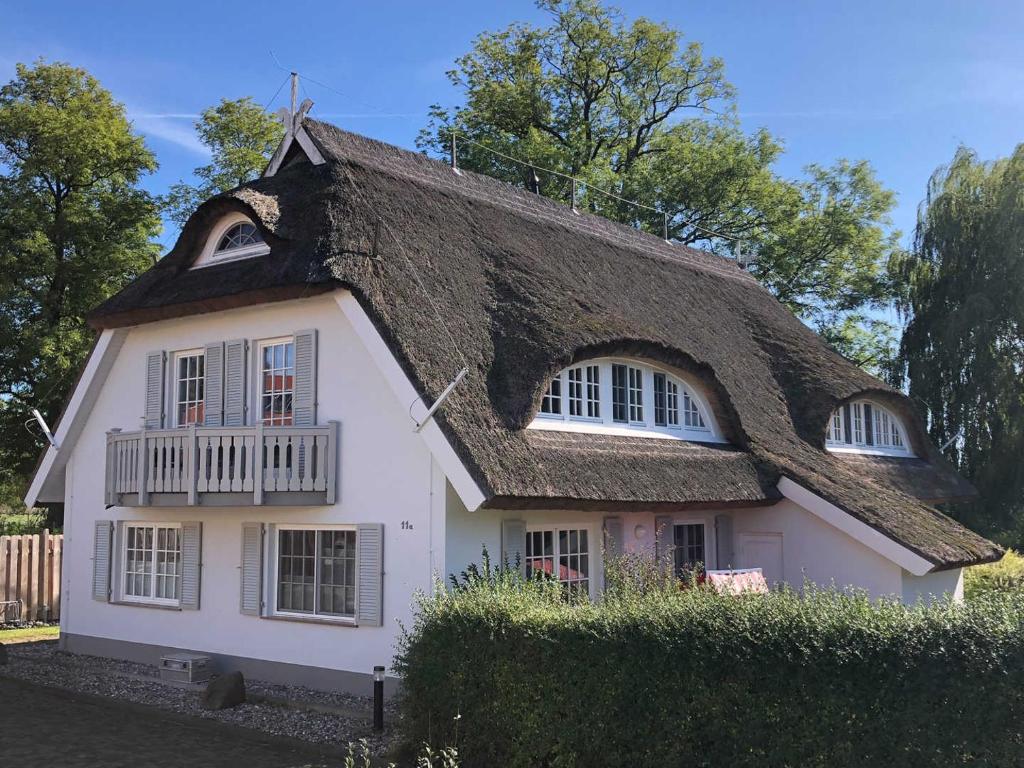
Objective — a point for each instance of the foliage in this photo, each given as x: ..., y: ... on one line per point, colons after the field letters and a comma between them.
x: 1006, y: 575
x: 20, y: 523
x: 962, y: 351
x: 241, y: 137
x: 632, y: 108
x: 658, y: 675
x: 74, y: 228
x: 359, y: 756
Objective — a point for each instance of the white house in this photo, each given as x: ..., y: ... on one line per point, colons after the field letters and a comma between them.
x: 355, y: 372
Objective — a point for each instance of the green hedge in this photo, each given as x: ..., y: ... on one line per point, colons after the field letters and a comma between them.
x: 659, y: 676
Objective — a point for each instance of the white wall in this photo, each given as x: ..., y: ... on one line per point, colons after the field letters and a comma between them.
x: 933, y: 586
x: 385, y: 475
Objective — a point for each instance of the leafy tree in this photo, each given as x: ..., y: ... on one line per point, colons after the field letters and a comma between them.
x: 241, y: 137
x: 962, y: 351
x: 631, y: 108
x: 74, y: 228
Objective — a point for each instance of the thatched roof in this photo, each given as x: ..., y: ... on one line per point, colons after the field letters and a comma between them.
x: 522, y: 286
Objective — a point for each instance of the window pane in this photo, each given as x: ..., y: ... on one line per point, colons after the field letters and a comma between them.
x: 337, y: 565
x: 619, y: 408
x: 660, y: 403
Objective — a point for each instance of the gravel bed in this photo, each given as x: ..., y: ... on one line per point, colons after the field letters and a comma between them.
x: 43, y: 663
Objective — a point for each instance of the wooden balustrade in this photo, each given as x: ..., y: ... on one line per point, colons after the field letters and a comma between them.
x: 223, y: 465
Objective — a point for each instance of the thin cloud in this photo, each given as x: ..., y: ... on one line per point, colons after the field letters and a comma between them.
x: 168, y: 126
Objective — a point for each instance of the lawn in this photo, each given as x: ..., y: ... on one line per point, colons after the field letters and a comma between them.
x: 28, y: 634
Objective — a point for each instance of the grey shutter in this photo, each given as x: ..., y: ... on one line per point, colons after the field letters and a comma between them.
x: 513, y: 544
x: 213, y: 387
x: 155, y: 365
x: 101, y: 550
x: 663, y: 538
x: 724, y: 552
x: 304, y: 397
x: 251, y: 579
x: 370, y: 570
x: 613, y: 537
x: 191, y: 564
x: 234, y: 383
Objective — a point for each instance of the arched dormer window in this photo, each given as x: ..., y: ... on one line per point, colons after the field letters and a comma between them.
x: 621, y: 396
x: 863, y: 426
x: 234, y: 237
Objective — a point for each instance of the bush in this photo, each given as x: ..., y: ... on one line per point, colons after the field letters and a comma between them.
x: 655, y: 675
x: 1006, y: 575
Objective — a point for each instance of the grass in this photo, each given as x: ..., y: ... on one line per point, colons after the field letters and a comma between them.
x: 28, y: 634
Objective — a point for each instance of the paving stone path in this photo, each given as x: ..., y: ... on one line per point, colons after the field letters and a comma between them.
x: 49, y: 726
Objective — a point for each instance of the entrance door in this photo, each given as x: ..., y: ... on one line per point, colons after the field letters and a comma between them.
x: 764, y: 551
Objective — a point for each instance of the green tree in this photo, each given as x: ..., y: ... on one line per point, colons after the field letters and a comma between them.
x: 241, y: 137
x: 74, y: 228
x: 633, y: 109
x: 962, y: 350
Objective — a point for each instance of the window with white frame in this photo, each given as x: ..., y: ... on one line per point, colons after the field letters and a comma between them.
x: 562, y: 554
x: 609, y: 395
x: 151, y: 563
x: 234, y: 237
x: 316, y: 572
x: 239, y: 235
x: 863, y: 426
x: 189, y: 387
x: 277, y: 381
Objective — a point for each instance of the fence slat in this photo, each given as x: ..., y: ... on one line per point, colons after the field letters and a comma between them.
x: 30, y: 572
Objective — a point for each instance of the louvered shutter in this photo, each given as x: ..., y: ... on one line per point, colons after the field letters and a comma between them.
x: 101, y: 551
x: 234, y: 383
x: 304, y: 397
x: 251, y: 578
x: 613, y: 536
x: 725, y: 557
x: 663, y: 539
x: 213, y: 387
x: 191, y: 564
x: 155, y: 366
x: 513, y: 544
x: 370, y: 568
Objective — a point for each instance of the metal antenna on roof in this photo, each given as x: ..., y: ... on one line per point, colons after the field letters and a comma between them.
x: 295, y: 95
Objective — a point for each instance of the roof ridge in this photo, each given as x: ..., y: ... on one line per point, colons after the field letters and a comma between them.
x: 439, y: 174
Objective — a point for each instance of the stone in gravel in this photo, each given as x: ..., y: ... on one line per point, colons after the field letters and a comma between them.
x: 224, y: 692
x: 3, y: 654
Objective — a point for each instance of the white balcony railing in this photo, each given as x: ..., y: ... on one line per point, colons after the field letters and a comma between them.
x: 223, y: 465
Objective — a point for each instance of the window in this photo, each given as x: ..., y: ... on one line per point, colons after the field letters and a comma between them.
x: 562, y: 554
x: 611, y: 396
x: 277, y: 381
x: 189, y: 387
x: 316, y: 572
x: 239, y: 236
x: 688, y: 551
x: 152, y: 564
x: 865, y: 427
x: 552, y: 402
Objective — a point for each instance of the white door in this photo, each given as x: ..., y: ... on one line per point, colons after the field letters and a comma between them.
x: 764, y: 551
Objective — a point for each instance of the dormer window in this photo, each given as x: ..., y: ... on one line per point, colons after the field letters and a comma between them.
x: 234, y: 237
x: 614, y: 396
x: 863, y: 426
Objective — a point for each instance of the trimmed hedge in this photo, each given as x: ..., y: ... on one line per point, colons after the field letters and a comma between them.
x: 661, y: 676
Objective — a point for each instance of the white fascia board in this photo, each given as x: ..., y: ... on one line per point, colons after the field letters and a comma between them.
x: 450, y: 463
x: 48, y: 482
x: 851, y: 526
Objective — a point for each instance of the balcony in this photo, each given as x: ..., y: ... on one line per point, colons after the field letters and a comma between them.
x: 223, y: 466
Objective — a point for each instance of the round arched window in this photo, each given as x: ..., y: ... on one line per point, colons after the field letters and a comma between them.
x: 239, y: 236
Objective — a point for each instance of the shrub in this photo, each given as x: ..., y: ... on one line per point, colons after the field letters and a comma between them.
x: 1002, y: 576
x: 655, y: 675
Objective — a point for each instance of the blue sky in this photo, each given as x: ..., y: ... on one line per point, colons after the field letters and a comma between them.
x: 901, y: 84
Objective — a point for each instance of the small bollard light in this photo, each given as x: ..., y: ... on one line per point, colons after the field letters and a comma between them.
x: 378, y: 698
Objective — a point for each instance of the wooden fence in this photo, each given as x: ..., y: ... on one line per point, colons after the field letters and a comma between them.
x: 30, y: 574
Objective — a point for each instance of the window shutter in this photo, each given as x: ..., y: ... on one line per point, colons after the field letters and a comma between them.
x: 724, y: 553
x: 191, y: 564
x: 101, y: 550
x: 234, y: 383
x: 370, y: 578
x: 304, y: 399
x: 155, y: 363
x: 252, y: 569
x: 213, y: 387
x: 663, y: 538
x: 513, y: 544
x: 613, y: 537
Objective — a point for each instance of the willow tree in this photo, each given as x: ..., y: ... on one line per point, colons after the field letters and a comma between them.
x: 963, y: 348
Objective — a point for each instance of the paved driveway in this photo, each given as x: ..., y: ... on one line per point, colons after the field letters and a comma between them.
x: 48, y: 726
